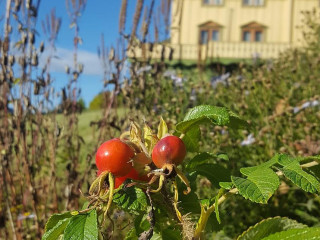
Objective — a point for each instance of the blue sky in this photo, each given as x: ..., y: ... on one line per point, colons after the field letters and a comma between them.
x: 100, y: 16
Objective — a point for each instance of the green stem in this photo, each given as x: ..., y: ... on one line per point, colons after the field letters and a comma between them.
x: 205, y: 214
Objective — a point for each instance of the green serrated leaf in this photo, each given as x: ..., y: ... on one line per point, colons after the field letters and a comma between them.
x: 132, y: 200
x: 55, y: 218
x: 214, y: 172
x: 248, y: 170
x: 210, y: 114
x: 270, y: 226
x: 259, y: 186
x: 226, y: 185
x: 199, y: 159
x: 162, y: 129
x: 293, y: 171
x: 57, y: 230
x: 296, y: 234
x: 82, y: 227
x: 202, y: 114
x: 191, y: 139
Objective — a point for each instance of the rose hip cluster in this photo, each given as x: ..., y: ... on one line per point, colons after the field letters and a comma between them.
x: 143, y: 157
x: 117, y: 157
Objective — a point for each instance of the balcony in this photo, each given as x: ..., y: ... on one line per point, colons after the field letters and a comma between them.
x: 231, y: 50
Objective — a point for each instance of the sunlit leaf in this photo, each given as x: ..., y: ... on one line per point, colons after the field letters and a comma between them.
x: 270, y: 226
x: 162, y: 129
x: 259, y: 186
x: 296, y: 234
x: 82, y: 227
x: 131, y: 199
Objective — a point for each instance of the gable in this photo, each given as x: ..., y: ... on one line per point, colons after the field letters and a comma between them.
x: 210, y: 24
x: 253, y: 25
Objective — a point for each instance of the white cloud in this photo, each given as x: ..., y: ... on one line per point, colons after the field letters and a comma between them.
x: 64, y: 57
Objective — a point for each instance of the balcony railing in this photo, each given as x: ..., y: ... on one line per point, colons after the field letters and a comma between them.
x: 240, y: 50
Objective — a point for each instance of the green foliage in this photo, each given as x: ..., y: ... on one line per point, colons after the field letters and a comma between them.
x: 81, y: 104
x: 55, y: 218
x: 261, y: 181
x: 209, y: 114
x: 199, y: 159
x: 296, y: 234
x: 132, y: 200
x: 259, y: 186
x: 82, y: 227
x: 268, y: 227
x: 292, y: 170
x: 215, y: 173
x: 56, y: 226
x: 204, y: 157
x: 191, y: 139
x: 97, y: 102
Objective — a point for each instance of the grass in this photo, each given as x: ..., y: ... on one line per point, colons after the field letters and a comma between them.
x: 85, y: 118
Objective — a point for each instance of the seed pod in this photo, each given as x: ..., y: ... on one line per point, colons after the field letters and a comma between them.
x: 111, y: 54
x: 28, y: 4
x: 67, y: 69
x: 17, y: 4
x: 34, y: 60
x: 24, y: 38
x: 41, y: 47
x: 22, y: 62
x: 80, y: 67
x: 31, y: 38
x: 36, y: 89
x: 11, y: 60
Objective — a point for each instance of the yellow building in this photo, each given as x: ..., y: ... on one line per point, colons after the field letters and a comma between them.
x: 236, y: 28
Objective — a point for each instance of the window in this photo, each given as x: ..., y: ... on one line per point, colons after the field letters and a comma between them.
x: 204, y: 37
x: 246, y: 36
x: 253, y: 32
x: 258, y: 36
x: 213, y: 2
x: 215, y: 35
x: 209, y: 31
x: 253, y: 2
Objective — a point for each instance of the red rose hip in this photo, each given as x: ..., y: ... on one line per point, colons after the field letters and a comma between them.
x: 169, y: 150
x: 114, y: 156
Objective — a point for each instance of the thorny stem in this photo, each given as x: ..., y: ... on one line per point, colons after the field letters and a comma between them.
x: 146, y: 235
